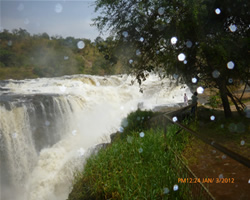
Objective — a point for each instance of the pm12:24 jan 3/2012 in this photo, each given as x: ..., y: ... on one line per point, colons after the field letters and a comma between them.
x: 205, y: 180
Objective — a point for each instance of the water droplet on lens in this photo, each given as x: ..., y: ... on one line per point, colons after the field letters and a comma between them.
x: 20, y: 7
x: 129, y: 139
x: 26, y: 21
x: 165, y: 191
x: 125, y: 34
x: 174, y: 40
x: 212, y: 117
x: 181, y: 57
x: 80, y: 45
x: 141, y: 39
x: 58, y: 8
x: 14, y: 135
x: 121, y: 129
x: 131, y: 61
x: 74, y: 132
x: 161, y: 11
x: 230, y: 65
x: 10, y: 43
x: 142, y: 134
x: 47, y: 123
x: 175, y: 76
x: 185, y: 61
x: 216, y: 74
x: 230, y: 80
x: 66, y: 57
x: 242, y: 142
x: 233, y: 27
x: 140, y: 150
x: 81, y: 152
x: 221, y: 176
x: 200, y: 90
x: 176, y: 187
x: 189, y: 44
x: 217, y: 11
x: 138, y: 52
x: 194, y: 80
x: 175, y: 119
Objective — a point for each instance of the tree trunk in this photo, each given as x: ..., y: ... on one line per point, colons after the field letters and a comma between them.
x: 225, y: 102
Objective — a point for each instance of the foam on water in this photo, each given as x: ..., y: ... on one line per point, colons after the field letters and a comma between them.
x: 57, y: 121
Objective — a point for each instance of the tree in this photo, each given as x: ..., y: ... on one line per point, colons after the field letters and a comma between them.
x: 203, y: 39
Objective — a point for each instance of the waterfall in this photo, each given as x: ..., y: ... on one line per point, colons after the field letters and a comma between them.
x: 48, y: 127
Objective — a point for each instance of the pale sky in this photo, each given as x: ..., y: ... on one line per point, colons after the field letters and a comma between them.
x: 64, y: 18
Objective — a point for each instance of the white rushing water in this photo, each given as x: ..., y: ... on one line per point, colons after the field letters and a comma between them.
x: 48, y: 127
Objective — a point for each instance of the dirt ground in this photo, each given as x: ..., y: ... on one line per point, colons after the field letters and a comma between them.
x: 207, y: 162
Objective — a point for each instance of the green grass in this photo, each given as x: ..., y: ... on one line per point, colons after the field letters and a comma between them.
x: 135, y: 167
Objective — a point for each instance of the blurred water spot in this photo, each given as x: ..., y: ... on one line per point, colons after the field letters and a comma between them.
x: 230, y: 80
x: 212, y: 117
x: 242, y: 142
x: 181, y: 57
x: 80, y: 45
x: 194, y: 80
x: 125, y: 34
x: 141, y: 39
x: 124, y: 123
x: 161, y: 11
x: 74, y: 132
x: 221, y: 176
x: 140, y: 150
x: 138, y: 118
x: 58, y: 8
x: 230, y: 65
x: 142, y: 134
x: 165, y: 191
x: 26, y: 21
x: 249, y: 181
x: 129, y: 139
x: 224, y: 157
x: 189, y: 44
x: 232, y: 127
x: 217, y: 11
x: 121, y: 129
x: 185, y: 61
x: 14, y: 135
x: 175, y: 119
x: 138, y: 52
x: 130, y: 61
x: 66, y: 57
x: 174, y: 40
x: 247, y: 112
x: 81, y: 151
x: 175, y: 76
x: 10, y: 43
x: 157, y: 52
x: 20, y: 7
x: 216, y: 73
x: 233, y: 27
x: 47, y: 123
x: 200, y: 90
x: 176, y: 187
x: 62, y: 88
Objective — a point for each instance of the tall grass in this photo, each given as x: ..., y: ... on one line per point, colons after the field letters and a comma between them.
x: 139, y: 165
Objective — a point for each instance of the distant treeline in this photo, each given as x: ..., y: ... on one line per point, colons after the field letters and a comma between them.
x: 23, y: 55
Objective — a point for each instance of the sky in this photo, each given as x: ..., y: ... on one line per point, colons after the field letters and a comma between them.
x: 57, y: 18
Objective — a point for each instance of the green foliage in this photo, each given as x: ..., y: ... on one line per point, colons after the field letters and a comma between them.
x: 136, y: 121
x: 133, y: 168
x: 203, y: 36
x: 139, y: 165
x: 214, y: 101
x: 45, y: 56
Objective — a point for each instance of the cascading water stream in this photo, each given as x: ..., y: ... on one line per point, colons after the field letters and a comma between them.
x: 49, y: 126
